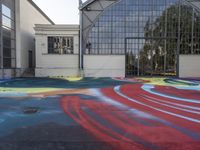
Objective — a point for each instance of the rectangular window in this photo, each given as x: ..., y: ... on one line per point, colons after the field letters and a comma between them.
x: 6, y: 11
x: 6, y: 22
x: 60, y: 45
x: 8, y: 36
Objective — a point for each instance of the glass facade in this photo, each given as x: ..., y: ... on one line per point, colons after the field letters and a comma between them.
x: 151, y: 33
x: 7, y: 32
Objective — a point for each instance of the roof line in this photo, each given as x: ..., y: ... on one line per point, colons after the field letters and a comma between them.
x: 86, y: 3
x: 40, y: 10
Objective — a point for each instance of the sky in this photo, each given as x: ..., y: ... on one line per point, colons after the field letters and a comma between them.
x: 60, y: 11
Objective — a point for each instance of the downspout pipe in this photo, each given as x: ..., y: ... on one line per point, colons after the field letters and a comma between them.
x: 81, y: 38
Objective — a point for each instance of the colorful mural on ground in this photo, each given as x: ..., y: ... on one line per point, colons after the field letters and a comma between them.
x: 100, y: 114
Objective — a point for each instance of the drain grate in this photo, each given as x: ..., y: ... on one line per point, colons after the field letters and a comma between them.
x: 30, y: 110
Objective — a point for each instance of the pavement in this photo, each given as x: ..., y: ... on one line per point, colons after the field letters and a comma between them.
x: 99, y: 114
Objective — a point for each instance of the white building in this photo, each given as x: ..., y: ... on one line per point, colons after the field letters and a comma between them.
x: 17, y: 43
x: 57, y: 50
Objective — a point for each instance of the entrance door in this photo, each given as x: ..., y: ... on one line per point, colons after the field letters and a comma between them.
x: 30, y: 58
x: 150, y: 57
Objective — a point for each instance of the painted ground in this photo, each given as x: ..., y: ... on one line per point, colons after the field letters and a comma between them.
x: 99, y: 114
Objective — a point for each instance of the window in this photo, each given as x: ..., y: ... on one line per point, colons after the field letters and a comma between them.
x: 60, y: 45
x: 6, y: 22
x: 6, y: 11
x: 8, y: 36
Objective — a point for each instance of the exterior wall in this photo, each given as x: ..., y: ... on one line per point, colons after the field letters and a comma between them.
x: 104, y: 65
x: 189, y: 66
x: 26, y: 17
x: 55, y: 64
x: 7, y: 73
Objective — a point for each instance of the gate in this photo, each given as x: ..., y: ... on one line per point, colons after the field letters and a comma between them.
x: 151, y: 56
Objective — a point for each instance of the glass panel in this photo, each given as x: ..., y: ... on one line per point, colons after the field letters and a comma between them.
x: 7, y: 52
x: 7, y: 62
x: 6, y: 42
x: 6, y: 11
x: 6, y: 22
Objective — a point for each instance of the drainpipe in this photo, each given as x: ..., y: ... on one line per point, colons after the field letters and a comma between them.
x: 80, y: 39
x: 179, y: 40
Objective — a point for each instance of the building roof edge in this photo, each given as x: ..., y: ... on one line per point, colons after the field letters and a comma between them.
x: 86, y: 3
x: 40, y: 10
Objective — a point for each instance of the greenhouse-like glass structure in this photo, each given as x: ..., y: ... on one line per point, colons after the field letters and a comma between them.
x: 151, y: 33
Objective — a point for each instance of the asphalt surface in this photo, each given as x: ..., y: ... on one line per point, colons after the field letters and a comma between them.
x: 99, y: 114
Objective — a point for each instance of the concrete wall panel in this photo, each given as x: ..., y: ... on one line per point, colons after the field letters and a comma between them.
x: 104, y: 65
x: 57, y: 61
x: 65, y: 72
x: 189, y: 66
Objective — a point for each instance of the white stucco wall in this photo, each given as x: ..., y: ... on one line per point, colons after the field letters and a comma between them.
x: 189, y: 66
x: 104, y: 65
x: 26, y: 18
x: 55, y: 64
